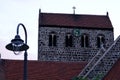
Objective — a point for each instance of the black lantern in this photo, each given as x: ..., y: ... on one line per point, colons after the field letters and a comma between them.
x: 17, y: 45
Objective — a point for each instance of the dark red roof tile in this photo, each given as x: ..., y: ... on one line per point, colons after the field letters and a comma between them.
x: 43, y: 70
x: 2, y: 71
x: 49, y: 70
x: 71, y: 20
x: 114, y: 73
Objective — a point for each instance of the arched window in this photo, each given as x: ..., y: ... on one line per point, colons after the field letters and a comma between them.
x: 52, y: 39
x: 69, y: 40
x: 84, y: 40
x: 100, y: 40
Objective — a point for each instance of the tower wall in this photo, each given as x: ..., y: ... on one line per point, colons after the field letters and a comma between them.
x: 75, y: 53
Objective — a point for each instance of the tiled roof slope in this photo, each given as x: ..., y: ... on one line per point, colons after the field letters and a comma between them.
x: 2, y: 71
x: 43, y: 70
x: 75, y: 20
x: 114, y: 73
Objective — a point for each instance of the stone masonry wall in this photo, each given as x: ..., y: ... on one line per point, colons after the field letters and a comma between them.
x: 75, y: 53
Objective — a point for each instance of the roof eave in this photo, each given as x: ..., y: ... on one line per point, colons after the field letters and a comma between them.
x: 81, y: 27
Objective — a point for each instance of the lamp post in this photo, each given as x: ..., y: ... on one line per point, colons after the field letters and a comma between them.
x: 17, y: 45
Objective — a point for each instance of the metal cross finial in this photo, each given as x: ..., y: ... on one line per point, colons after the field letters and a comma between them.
x: 74, y: 9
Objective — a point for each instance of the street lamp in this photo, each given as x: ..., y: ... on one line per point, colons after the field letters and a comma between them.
x: 17, y: 45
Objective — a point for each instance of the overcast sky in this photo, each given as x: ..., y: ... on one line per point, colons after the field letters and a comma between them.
x: 13, y: 12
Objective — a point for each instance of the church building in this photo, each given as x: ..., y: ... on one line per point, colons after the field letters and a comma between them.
x: 73, y: 37
x: 70, y: 47
x: 79, y: 38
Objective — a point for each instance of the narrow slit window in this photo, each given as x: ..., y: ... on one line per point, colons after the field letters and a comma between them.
x: 52, y: 39
x: 84, y: 41
x: 100, y: 41
x: 69, y: 40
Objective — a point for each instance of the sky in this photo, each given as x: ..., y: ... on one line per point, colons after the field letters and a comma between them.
x: 13, y: 12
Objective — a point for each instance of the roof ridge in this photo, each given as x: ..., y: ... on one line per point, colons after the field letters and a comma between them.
x: 74, y: 14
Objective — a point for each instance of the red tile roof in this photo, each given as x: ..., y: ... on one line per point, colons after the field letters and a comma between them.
x: 48, y: 70
x: 114, y: 73
x: 2, y: 71
x: 75, y: 20
x: 43, y: 70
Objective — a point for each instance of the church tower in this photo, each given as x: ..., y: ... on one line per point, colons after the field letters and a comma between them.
x: 72, y: 37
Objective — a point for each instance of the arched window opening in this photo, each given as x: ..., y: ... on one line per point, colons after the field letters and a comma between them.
x: 52, y: 39
x: 100, y: 41
x: 69, y: 40
x: 84, y: 41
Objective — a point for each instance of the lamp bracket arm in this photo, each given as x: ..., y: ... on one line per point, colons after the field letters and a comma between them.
x: 24, y: 31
